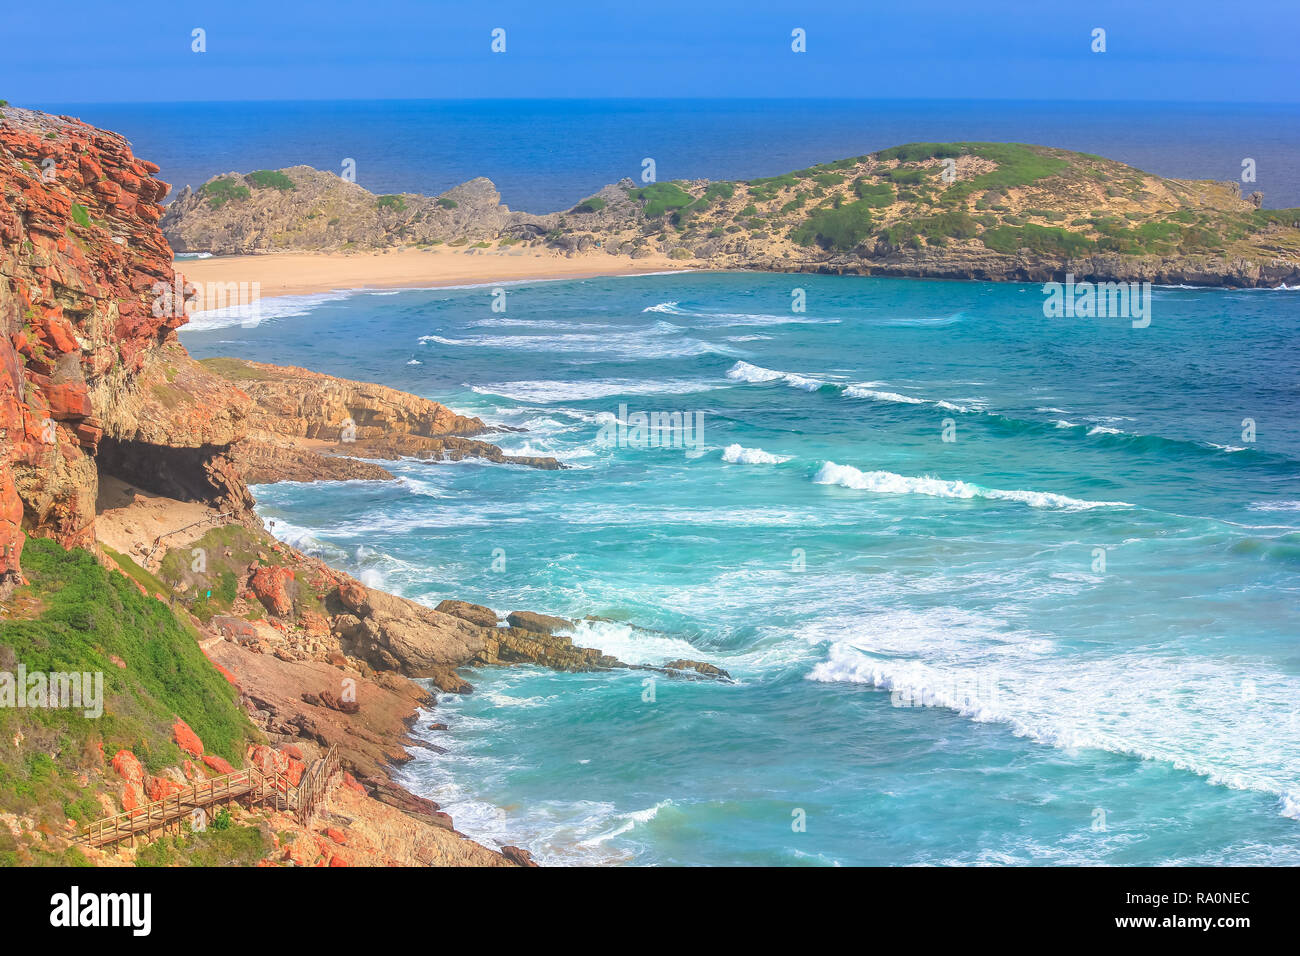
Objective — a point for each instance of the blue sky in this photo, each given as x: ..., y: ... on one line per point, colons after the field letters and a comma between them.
x: 1193, y: 50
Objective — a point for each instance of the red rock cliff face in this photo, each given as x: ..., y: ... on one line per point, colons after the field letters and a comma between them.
x: 85, y: 358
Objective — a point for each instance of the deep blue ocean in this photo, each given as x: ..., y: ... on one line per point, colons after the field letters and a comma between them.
x: 547, y: 155
x: 994, y: 588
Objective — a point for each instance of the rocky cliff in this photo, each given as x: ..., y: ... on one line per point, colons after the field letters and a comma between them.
x: 305, y: 208
x: 89, y: 366
x: 998, y: 211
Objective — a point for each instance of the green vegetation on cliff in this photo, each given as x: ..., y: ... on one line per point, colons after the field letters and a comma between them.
x: 74, y: 616
x: 841, y: 228
x: 219, y: 845
x: 218, y: 192
x: 661, y: 198
x: 270, y: 179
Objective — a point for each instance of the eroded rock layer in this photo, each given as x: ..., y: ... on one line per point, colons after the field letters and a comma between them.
x: 88, y: 355
x: 306, y: 426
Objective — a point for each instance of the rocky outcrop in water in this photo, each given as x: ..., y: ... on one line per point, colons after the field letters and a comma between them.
x: 306, y: 426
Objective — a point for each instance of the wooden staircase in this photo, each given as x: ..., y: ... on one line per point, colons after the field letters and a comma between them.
x: 250, y: 786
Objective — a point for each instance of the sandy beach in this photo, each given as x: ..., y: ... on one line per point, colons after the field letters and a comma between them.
x: 299, y: 273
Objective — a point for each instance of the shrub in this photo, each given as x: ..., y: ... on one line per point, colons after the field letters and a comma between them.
x: 224, y: 190
x: 270, y: 179
x: 590, y: 204
x: 719, y: 191
x: 391, y: 201
x: 80, y: 215
x: 841, y: 228
x: 916, y: 152
x: 661, y: 198
x: 908, y: 177
x: 952, y: 225
x: 1052, y: 240
x: 874, y: 194
x: 446, y: 203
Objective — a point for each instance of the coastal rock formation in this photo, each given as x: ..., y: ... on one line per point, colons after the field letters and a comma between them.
x: 515, y: 645
x: 306, y: 426
x: 88, y: 361
x: 537, y: 623
x: 96, y: 390
x: 395, y: 634
x: 700, y: 667
x: 322, y: 211
x: 991, y: 211
x: 474, y: 613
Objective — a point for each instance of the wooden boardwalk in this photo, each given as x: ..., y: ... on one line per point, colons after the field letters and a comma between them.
x: 250, y: 786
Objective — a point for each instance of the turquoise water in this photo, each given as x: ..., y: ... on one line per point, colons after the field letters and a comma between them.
x: 1067, y: 635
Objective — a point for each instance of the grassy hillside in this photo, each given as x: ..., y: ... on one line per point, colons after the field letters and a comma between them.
x: 1005, y: 197
x: 76, y: 616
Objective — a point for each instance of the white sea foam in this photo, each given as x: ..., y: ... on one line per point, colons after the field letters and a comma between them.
x: 1233, y: 722
x: 663, y: 340
x: 552, y: 324
x: 265, y: 309
x: 871, y: 391
x: 744, y: 372
x: 886, y: 482
x: 859, y: 391
x: 306, y: 541
x: 627, y: 821
x: 751, y: 456
x: 631, y: 645
x: 545, y: 392
x: 734, y: 319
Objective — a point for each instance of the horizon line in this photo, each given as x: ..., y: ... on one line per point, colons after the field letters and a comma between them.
x: 667, y: 99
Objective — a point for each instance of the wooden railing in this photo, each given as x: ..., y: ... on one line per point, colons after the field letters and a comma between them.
x: 312, y: 786
x: 249, y: 785
x: 157, y: 542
